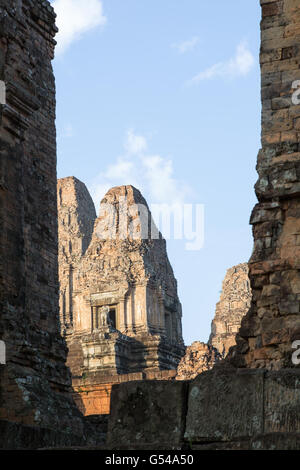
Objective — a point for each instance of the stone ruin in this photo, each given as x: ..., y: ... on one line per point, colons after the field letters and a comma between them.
x: 249, y: 400
x: 235, y: 301
x: 273, y: 321
x: 119, y: 308
x: 198, y: 358
x: 106, y: 284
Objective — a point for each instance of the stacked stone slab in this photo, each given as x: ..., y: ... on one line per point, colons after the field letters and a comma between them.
x: 35, y: 383
x: 235, y: 301
x: 119, y: 306
x: 273, y: 323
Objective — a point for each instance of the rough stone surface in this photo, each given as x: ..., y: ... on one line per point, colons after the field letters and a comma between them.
x: 35, y: 384
x: 224, y: 405
x: 147, y: 415
x: 16, y: 436
x: 282, y: 401
x: 235, y: 301
x: 76, y: 220
x: 198, y: 358
x: 92, y: 393
x: 273, y: 322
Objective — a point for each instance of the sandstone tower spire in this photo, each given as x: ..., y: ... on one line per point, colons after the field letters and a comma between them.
x: 120, y: 310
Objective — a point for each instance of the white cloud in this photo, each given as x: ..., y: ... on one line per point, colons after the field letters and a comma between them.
x: 135, y: 144
x: 237, y: 66
x: 187, y: 46
x: 153, y: 175
x: 75, y: 17
x: 159, y: 173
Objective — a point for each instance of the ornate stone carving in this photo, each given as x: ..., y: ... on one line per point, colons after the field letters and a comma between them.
x: 121, y: 285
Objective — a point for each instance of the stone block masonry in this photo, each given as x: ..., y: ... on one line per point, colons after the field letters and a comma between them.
x: 273, y: 322
x: 35, y: 385
x: 92, y: 394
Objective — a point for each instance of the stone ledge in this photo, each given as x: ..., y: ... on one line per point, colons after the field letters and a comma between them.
x: 16, y: 436
x: 272, y: 441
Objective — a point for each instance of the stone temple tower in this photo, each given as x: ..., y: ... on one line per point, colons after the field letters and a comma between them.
x: 119, y: 308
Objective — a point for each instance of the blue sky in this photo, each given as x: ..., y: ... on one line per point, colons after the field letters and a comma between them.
x: 165, y: 95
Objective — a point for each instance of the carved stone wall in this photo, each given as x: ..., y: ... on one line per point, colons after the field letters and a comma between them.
x: 273, y: 323
x: 77, y: 216
x: 234, y: 304
x: 235, y: 301
x: 35, y: 384
x: 198, y: 358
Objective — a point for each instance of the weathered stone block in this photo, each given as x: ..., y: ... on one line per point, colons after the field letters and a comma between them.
x: 276, y: 441
x: 225, y: 404
x: 147, y: 414
x: 271, y: 9
x: 282, y: 401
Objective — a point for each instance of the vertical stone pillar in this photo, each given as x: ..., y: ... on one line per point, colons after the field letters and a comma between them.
x: 94, y: 318
x: 273, y: 322
x: 29, y: 296
x: 130, y: 308
x: 147, y: 308
x: 121, y: 323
